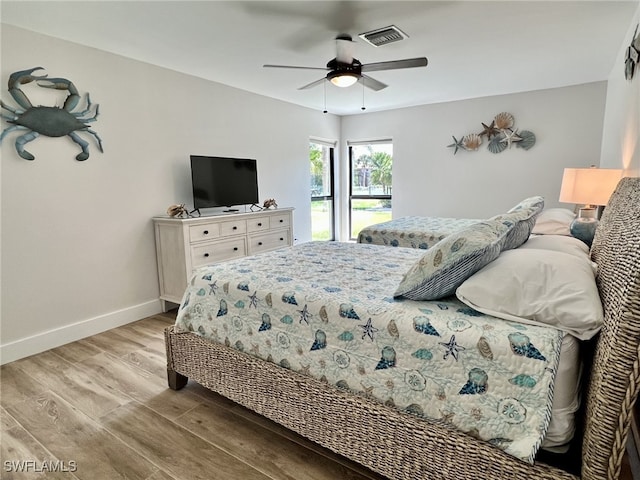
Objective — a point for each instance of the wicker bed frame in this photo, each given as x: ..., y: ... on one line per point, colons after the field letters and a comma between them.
x: 401, y: 446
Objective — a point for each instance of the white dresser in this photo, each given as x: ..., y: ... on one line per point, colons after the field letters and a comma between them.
x: 184, y: 244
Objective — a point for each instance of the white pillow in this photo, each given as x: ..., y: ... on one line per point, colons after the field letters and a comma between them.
x: 558, y: 243
x: 538, y: 287
x: 553, y: 221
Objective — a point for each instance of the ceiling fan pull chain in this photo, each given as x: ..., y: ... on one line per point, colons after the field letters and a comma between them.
x: 324, y: 84
x: 363, y: 107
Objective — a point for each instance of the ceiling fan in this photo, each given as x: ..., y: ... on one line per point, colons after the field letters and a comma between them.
x: 344, y: 70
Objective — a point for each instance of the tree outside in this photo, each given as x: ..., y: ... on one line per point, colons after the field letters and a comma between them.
x: 372, y: 167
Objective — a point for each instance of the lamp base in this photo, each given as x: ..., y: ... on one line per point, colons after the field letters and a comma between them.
x: 584, y: 226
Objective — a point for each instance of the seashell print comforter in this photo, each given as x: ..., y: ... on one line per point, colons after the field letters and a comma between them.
x: 412, y: 232
x: 326, y: 309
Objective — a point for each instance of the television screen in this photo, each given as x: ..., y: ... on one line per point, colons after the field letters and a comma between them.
x: 223, y: 181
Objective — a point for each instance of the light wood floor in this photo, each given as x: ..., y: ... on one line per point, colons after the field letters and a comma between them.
x: 100, y: 409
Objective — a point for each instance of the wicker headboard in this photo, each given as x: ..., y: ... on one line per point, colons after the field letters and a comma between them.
x: 615, y: 376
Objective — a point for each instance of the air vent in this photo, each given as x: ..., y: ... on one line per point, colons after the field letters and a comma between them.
x: 383, y: 36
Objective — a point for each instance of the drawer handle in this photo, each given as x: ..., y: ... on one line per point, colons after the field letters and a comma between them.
x: 206, y: 255
x: 235, y: 228
x: 281, y: 239
x: 206, y: 232
x: 235, y: 249
x: 281, y: 220
x: 260, y: 224
x: 259, y: 243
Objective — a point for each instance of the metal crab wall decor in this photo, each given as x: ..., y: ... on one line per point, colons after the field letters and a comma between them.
x: 49, y: 121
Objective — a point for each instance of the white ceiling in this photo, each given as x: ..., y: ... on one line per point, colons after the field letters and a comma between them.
x: 475, y: 48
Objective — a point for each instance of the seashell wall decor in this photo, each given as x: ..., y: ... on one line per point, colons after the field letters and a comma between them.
x: 471, y: 141
x: 501, y: 135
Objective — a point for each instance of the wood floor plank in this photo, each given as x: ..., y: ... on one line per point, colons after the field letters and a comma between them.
x: 169, y: 316
x: 23, y: 457
x: 76, y: 351
x: 140, y: 333
x: 18, y: 387
x: 70, y: 435
x: 149, y: 359
x: 117, y: 375
x: 113, y: 342
x: 278, y: 457
x: 6, y: 420
x: 180, y: 452
x: 77, y: 387
x: 161, y: 475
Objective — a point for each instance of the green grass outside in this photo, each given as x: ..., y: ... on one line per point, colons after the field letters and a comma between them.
x: 320, y: 220
x: 364, y: 218
x: 360, y: 218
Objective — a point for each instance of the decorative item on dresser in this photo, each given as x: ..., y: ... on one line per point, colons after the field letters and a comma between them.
x: 590, y: 187
x: 184, y: 244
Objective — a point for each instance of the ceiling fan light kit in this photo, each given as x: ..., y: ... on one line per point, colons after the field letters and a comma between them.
x: 343, y: 80
x: 345, y: 70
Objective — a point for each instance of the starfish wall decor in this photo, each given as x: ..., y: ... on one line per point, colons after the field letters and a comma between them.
x: 500, y: 135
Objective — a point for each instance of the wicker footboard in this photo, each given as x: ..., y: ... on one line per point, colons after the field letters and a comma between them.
x: 386, y: 440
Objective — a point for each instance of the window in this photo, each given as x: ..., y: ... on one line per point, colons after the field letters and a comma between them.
x: 322, y: 202
x: 370, y: 185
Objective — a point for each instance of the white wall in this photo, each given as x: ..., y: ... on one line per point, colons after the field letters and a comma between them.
x: 428, y: 179
x: 621, y: 134
x: 77, y: 237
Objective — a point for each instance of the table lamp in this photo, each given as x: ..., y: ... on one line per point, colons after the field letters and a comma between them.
x: 590, y: 187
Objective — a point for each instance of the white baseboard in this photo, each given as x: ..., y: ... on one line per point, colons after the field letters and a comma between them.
x: 56, y: 337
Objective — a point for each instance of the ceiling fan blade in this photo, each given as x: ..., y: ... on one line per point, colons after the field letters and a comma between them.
x: 294, y: 66
x: 394, y: 64
x: 313, y: 84
x: 372, y: 83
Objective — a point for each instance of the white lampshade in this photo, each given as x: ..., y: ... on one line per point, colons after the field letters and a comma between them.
x: 589, y: 186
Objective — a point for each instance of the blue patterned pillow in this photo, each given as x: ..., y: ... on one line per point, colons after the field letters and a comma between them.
x: 531, y: 202
x: 453, y: 259
x: 523, y: 216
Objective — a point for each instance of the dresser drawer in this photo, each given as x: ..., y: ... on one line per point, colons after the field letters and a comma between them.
x: 203, y: 231
x: 233, y: 228
x: 269, y: 241
x: 214, y: 252
x: 280, y: 221
x: 258, y: 224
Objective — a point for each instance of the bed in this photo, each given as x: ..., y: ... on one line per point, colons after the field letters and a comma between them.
x: 412, y: 231
x: 425, y: 232
x: 389, y: 437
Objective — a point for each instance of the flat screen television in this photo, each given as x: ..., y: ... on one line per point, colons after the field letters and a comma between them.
x: 223, y: 181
